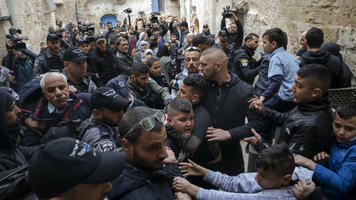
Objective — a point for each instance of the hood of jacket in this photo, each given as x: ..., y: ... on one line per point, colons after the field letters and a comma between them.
x: 316, y: 105
x: 320, y: 57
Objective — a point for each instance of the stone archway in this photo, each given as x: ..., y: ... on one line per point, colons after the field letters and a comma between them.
x: 108, y: 18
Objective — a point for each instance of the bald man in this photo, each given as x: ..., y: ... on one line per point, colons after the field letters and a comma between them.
x: 303, y: 44
x: 226, y: 99
x: 56, y: 104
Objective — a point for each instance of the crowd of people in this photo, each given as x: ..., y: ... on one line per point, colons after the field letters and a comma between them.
x: 157, y: 111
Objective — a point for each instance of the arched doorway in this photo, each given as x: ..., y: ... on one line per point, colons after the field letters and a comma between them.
x: 108, y: 18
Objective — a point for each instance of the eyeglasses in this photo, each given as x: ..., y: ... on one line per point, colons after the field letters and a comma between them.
x: 191, y: 48
x: 148, y: 123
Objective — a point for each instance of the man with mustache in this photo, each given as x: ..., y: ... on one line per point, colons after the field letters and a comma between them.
x: 56, y: 105
x: 191, y: 64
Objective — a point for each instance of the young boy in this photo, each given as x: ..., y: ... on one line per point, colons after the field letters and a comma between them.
x: 338, y: 178
x: 273, y: 180
x: 180, y: 122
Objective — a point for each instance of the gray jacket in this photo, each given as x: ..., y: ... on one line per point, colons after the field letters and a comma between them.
x: 244, y: 186
x: 99, y: 135
x: 141, y: 93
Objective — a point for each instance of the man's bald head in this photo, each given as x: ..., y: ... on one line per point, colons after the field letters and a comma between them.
x: 215, y: 55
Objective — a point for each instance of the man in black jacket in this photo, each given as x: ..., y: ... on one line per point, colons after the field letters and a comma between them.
x: 102, y: 61
x: 314, y: 54
x: 306, y: 128
x: 226, y: 99
x: 11, y: 154
x: 124, y: 60
x: 143, y: 138
x: 235, y: 36
x: 242, y: 62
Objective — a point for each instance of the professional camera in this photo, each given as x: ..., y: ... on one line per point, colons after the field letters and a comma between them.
x: 87, y: 29
x: 13, y: 35
x: 154, y: 18
x: 227, y: 11
x: 128, y: 10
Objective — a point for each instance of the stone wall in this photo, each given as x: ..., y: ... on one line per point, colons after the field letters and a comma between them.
x: 337, y: 18
x: 34, y: 17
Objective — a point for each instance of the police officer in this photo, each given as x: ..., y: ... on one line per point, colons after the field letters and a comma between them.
x: 102, y: 61
x: 206, y: 32
x: 51, y: 59
x: 76, y: 70
x: 223, y: 44
x: 100, y: 130
x: 242, y: 63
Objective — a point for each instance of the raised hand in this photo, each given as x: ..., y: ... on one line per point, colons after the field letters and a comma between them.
x: 303, y: 161
x: 253, y: 139
x: 182, y: 185
x: 216, y: 134
x: 190, y: 168
x: 302, y: 189
x: 321, y: 156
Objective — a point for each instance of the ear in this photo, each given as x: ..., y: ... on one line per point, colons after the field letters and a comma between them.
x: 132, y: 77
x: 65, y: 63
x: 219, y: 65
x: 127, y: 148
x: 274, y: 45
x: 286, y: 180
x: 97, y: 114
x: 195, y: 99
x: 317, y: 92
x: 169, y: 120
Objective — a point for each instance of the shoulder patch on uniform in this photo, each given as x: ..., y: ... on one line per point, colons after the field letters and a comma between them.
x: 244, y: 62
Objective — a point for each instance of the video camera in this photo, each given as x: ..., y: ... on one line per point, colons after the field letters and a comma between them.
x: 14, y: 37
x: 87, y: 29
x: 227, y: 11
x: 128, y: 10
x: 154, y: 18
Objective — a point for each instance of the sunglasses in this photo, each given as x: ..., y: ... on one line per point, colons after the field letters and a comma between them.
x: 191, y: 48
x: 148, y: 123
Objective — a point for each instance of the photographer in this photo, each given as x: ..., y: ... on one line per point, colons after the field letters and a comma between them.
x: 235, y: 36
x: 110, y: 34
x: 23, y: 67
x: 8, y: 61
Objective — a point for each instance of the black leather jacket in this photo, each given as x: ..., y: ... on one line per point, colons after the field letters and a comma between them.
x: 306, y: 128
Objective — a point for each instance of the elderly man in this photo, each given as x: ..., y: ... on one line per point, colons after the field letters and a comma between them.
x: 49, y: 103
